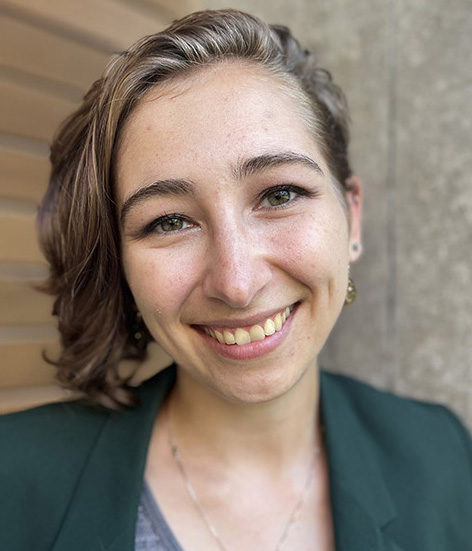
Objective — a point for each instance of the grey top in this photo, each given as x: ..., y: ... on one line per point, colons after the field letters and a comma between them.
x: 152, y: 531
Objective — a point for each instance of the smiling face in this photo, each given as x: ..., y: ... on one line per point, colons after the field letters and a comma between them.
x: 235, y: 241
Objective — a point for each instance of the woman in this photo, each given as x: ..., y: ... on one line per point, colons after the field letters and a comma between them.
x: 202, y: 197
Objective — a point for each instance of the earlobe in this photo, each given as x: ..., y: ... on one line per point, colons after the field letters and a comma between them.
x: 354, y: 202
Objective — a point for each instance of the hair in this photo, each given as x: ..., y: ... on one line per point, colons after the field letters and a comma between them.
x: 78, y: 229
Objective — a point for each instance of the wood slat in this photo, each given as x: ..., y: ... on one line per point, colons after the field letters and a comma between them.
x: 23, y: 176
x: 31, y: 113
x: 23, y: 272
x: 18, y: 241
x: 179, y: 7
x: 21, y: 303
x: 114, y: 24
x: 17, y: 399
x: 22, y: 364
x: 41, y: 53
x: 20, y: 390
x: 51, y: 52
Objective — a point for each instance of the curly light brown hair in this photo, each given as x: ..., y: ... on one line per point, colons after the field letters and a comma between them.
x: 78, y: 228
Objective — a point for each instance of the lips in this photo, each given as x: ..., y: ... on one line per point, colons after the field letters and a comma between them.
x: 245, y: 335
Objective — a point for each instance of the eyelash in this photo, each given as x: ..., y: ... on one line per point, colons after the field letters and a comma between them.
x: 152, y: 227
x: 298, y: 191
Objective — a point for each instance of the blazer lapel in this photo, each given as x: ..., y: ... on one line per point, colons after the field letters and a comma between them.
x: 361, y: 502
x: 103, y: 510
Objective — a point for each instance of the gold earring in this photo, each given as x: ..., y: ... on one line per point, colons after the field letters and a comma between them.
x: 351, y: 292
x: 138, y: 332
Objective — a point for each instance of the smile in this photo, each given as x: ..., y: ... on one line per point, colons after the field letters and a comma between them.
x: 258, y: 332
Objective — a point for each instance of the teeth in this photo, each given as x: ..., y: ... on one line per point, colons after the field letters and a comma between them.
x: 285, y: 314
x: 278, y: 322
x: 242, y: 336
x: 256, y: 333
x: 269, y: 327
x: 229, y: 337
x: 219, y: 337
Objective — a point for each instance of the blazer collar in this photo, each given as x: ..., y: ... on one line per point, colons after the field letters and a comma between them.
x: 102, y: 512
x: 361, y: 502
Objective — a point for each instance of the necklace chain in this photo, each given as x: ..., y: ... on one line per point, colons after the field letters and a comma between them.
x: 211, y: 528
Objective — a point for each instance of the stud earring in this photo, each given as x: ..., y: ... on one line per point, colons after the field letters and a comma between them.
x: 351, y: 292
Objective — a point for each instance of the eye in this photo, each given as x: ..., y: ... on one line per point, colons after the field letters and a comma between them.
x: 170, y: 223
x: 279, y: 196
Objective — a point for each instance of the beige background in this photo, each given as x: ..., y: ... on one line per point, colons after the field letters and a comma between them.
x: 405, y: 66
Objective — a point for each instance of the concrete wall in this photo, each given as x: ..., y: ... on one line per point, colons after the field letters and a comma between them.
x: 405, y: 66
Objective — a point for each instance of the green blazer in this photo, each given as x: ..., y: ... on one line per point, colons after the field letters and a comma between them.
x: 400, y: 472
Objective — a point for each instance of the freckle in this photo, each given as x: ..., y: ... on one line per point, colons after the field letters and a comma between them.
x: 148, y: 127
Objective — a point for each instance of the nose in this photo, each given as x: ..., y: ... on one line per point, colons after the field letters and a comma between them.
x: 237, y: 267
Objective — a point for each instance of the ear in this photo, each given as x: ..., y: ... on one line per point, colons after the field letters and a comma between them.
x: 353, y: 196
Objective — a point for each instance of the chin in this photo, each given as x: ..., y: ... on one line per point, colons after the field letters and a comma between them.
x: 257, y: 385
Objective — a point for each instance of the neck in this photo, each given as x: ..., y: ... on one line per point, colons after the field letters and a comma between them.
x: 279, y: 432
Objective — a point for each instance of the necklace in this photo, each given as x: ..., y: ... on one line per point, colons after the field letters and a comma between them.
x: 193, y: 496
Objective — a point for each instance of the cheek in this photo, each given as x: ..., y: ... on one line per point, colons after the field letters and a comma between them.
x: 160, y: 280
x: 316, y: 251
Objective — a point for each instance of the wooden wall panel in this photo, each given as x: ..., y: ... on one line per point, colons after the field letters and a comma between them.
x: 114, y: 24
x: 22, y: 303
x: 18, y: 242
x: 40, y: 53
x: 23, y: 175
x: 179, y: 7
x: 25, y: 363
x: 24, y: 397
x: 30, y: 112
x: 51, y: 51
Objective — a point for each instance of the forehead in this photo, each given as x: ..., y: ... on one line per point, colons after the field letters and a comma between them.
x: 212, y: 117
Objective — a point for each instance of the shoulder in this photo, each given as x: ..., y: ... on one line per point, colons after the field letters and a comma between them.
x: 56, y: 456
x: 47, y: 443
x: 56, y: 439
x: 396, y: 418
x: 63, y: 426
x: 420, y: 451
x: 384, y: 412
x: 56, y: 425
x: 417, y: 444
x: 44, y: 451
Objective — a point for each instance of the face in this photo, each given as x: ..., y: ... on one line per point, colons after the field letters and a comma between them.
x: 235, y: 242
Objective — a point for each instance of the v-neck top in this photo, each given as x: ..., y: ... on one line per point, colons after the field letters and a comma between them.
x: 152, y: 531
x: 400, y: 472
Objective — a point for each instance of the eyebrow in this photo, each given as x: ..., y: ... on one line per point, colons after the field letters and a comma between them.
x: 249, y: 167
x: 159, y: 188
x: 255, y: 165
